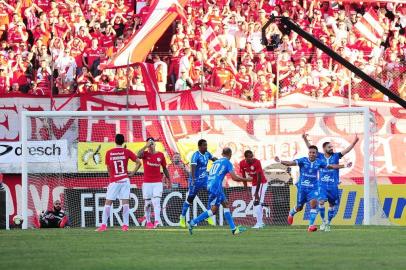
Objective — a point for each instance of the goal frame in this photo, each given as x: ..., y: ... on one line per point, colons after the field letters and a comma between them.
x: 26, y: 114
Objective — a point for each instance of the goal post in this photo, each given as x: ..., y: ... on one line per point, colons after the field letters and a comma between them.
x: 175, y: 129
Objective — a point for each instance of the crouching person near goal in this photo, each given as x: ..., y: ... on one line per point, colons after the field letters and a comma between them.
x: 55, y: 218
x: 119, y: 188
x: 152, y: 186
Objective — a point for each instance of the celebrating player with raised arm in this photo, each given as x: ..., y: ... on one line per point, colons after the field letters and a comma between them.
x: 217, y: 173
x: 329, y: 180
x: 152, y: 187
x: 308, y: 186
x: 252, y: 167
x: 198, y: 178
x: 116, y: 160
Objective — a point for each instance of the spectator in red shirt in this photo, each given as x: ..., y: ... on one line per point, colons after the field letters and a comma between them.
x: 178, y: 171
x: 222, y: 76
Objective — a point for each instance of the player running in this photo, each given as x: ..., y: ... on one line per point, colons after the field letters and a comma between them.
x: 329, y: 179
x: 152, y: 186
x: 252, y: 167
x: 308, y: 184
x: 198, y: 178
x: 217, y: 173
x: 116, y: 160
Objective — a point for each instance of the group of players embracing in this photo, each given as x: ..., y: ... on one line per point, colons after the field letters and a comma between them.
x: 318, y: 182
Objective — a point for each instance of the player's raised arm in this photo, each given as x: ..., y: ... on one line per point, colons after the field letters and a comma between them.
x: 351, y: 146
x: 339, y: 166
x: 140, y: 153
x: 286, y: 163
x: 306, y: 139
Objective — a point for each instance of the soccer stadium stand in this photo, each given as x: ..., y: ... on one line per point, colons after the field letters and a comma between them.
x: 62, y: 45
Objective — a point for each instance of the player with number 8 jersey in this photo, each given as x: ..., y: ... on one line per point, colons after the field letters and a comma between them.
x: 116, y: 160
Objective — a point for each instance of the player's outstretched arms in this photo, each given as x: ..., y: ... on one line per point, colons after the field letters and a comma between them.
x: 351, y: 146
x: 339, y: 166
x: 284, y: 162
x: 238, y: 178
x: 306, y: 139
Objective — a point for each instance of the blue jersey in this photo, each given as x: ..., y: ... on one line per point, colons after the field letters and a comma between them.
x: 309, y: 172
x: 201, y: 161
x: 329, y: 177
x: 217, y: 173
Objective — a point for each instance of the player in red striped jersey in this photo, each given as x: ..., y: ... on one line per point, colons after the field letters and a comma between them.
x: 251, y: 166
x: 116, y: 160
x: 152, y: 186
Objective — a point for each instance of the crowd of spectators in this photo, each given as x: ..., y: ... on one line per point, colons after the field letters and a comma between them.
x: 62, y: 44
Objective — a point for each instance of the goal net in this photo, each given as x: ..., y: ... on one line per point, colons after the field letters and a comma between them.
x: 63, y: 159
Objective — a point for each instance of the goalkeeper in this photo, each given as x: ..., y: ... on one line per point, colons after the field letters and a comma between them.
x: 55, y: 218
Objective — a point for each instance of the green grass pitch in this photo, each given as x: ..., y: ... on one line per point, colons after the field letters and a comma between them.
x: 346, y: 248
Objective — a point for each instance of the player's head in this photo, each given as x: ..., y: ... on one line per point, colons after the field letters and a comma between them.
x: 151, y: 147
x: 328, y: 148
x: 227, y: 152
x: 313, y: 152
x: 119, y: 139
x: 249, y: 156
x: 176, y: 158
x: 202, y: 144
x: 57, y: 205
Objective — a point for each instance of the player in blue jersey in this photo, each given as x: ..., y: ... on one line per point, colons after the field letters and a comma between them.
x: 218, y: 171
x: 198, y: 178
x: 329, y: 179
x: 307, y: 186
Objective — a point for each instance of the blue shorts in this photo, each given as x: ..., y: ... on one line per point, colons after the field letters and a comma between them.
x: 198, y: 185
x: 216, y: 198
x: 330, y: 194
x: 305, y: 195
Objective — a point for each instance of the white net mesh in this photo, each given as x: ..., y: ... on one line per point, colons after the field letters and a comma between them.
x: 68, y: 164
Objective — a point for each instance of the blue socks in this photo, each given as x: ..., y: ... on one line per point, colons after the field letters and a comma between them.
x: 322, y: 211
x: 331, y: 213
x: 313, y: 215
x: 201, y: 217
x: 209, y: 213
x: 229, y: 218
x: 185, y: 207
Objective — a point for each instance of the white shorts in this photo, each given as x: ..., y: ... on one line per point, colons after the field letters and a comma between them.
x: 151, y: 190
x: 261, y: 192
x: 119, y: 190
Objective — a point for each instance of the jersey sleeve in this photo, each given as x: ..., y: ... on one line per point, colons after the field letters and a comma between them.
x: 193, y: 161
x: 299, y: 162
x: 106, y: 158
x: 210, y: 155
x: 320, y: 155
x: 230, y: 167
x: 131, y: 155
x: 339, y: 155
x: 145, y: 155
x: 242, y: 171
x: 259, y: 167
